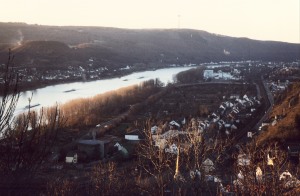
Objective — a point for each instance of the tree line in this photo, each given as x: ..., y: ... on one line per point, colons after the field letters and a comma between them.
x: 92, y: 111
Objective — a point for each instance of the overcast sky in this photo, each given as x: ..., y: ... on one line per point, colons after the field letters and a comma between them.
x: 257, y: 19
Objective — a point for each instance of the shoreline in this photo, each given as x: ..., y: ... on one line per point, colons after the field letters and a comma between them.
x: 32, y: 86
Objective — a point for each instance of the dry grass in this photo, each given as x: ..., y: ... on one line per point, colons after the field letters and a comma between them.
x: 103, y: 107
x: 286, y: 127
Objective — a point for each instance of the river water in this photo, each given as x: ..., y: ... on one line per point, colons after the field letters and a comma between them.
x: 62, y: 93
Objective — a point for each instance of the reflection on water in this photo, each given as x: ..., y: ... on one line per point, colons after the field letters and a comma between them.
x: 62, y: 93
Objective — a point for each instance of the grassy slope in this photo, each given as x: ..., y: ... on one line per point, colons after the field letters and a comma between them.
x: 286, y: 127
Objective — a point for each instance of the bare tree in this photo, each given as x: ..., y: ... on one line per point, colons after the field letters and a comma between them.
x: 182, y: 168
x: 258, y: 169
x: 201, y: 157
x: 109, y: 179
x: 26, y: 140
x: 9, y: 93
x: 159, y: 166
x: 60, y: 187
x: 29, y: 139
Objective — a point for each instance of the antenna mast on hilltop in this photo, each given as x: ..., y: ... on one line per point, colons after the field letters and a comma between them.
x: 178, y: 21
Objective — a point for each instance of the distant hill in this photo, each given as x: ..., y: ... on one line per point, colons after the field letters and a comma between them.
x: 288, y: 118
x: 54, y: 45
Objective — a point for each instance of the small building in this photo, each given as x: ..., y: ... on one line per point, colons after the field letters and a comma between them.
x: 208, y: 165
x: 94, y: 149
x: 244, y: 159
x: 208, y: 74
x: 125, y: 151
x: 90, y: 147
x: 71, y: 157
x: 105, y: 146
x: 293, y: 149
x: 174, y: 125
x: 154, y: 129
x: 134, y: 136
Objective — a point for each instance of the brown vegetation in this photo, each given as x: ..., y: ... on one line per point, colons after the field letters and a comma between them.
x: 287, y: 114
x: 183, y: 170
x: 261, y: 174
x: 92, y: 111
x: 26, y: 140
x: 191, y: 76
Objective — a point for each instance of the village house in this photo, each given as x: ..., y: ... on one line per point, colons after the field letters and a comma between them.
x: 72, y: 157
x: 208, y: 165
x: 244, y: 159
x: 208, y: 74
x: 293, y: 149
x: 94, y: 149
x: 91, y: 148
x: 135, y: 135
x: 174, y: 125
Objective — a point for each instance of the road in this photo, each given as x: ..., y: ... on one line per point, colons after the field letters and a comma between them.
x: 271, y: 104
x: 253, y: 126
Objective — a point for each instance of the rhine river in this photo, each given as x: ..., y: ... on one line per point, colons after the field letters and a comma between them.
x: 62, y: 93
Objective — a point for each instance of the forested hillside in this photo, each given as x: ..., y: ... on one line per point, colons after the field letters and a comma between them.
x: 37, y: 45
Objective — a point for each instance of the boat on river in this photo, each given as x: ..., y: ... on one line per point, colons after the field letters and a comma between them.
x: 32, y: 106
x: 71, y: 90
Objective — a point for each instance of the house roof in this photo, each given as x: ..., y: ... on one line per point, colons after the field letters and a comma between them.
x: 174, y: 123
x: 208, y: 162
x: 90, y: 142
x: 292, y: 147
x: 132, y: 137
x: 71, y: 154
x: 154, y: 128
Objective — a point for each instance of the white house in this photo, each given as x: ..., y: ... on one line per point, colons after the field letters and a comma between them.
x: 71, y: 158
x: 208, y: 165
x: 244, y: 159
x: 132, y: 137
x: 154, y: 129
x: 208, y: 74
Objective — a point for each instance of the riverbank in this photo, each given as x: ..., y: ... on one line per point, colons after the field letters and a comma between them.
x: 42, y: 83
x: 60, y: 93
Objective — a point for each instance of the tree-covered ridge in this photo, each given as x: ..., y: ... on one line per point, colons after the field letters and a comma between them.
x: 166, y: 46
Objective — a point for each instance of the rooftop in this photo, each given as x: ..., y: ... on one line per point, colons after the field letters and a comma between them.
x: 90, y: 142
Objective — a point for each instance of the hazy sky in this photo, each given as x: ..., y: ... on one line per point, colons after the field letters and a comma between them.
x: 257, y: 19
